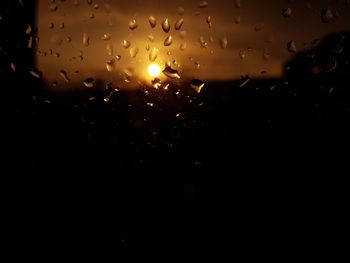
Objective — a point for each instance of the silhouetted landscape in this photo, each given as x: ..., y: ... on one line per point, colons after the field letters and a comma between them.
x: 254, y: 154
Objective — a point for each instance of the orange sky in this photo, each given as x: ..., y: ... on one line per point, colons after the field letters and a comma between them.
x: 112, y: 17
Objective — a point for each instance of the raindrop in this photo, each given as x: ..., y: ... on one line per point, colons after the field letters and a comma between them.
x: 259, y: 27
x: 30, y: 42
x: 147, y: 47
x: 133, y: 24
x: 110, y: 65
x: 118, y: 57
x: 106, y: 36
x: 51, y: 25
x: 203, y: 43
x: 291, y: 47
x: 68, y: 39
x: 133, y: 52
x: 61, y: 26
x: 223, y: 42
x: 89, y: 82
x: 126, y: 44
x: 179, y: 24
x: 180, y: 11
x: 89, y: 2
x: 242, y: 54
x: 36, y: 73
x: 109, y: 48
x: 28, y: 30
x: 86, y: 40
x: 96, y: 6
x: 245, y: 82
x: 152, y: 21
x: 197, y: 65
x: 153, y: 54
x: 13, y: 67
x: 53, y: 7
x: 166, y: 25
x: 197, y: 85
x: 287, y: 12
x: 326, y: 15
x: 209, y: 21
x: 183, y: 46
x: 171, y: 73
x: 151, y: 37
x: 183, y: 34
x: 92, y: 16
x: 168, y: 41
x: 203, y: 4
x: 76, y: 3
x: 64, y: 75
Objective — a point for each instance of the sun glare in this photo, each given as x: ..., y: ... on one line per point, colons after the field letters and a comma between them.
x: 154, y: 70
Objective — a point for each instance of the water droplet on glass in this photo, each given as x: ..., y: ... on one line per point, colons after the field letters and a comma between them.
x: 166, y: 25
x: 168, y: 41
x: 30, y: 42
x: 118, y: 57
x: 133, y: 24
x: 197, y: 85
x: 153, y: 54
x: 89, y: 2
x: 86, y: 40
x: 28, y: 30
x: 64, y: 75
x: 180, y: 11
x: 51, y: 25
x: 53, y: 7
x: 89, y: 82
x: 36, y: 73
x: 68, y: 39
x: 197, y: 65
x: 61, y: 26
x: 13, y: 67
x: 223, y: 42
x: 147, y: 47
x: 109, y: 48
x: 179, y: 24
x: 171, y: 73
x: 242, y: 54
x: 183, y: 46
x: 92, y: 16
x: 203, y: 43
x: 326, y: 15
x: 96, y: 6
x: 203, y: 4
x: 151, y: 37
x: 209, y: 21
x: 110, y: 65
x: 76, y: 3
x: 183, y: 34
x: 133, y: 52
x: 152, y: 21
x: 259, y: 27
x: 126, y: 44
x: 106, y: 36
x: 291, y: 47
x: 287, y: 12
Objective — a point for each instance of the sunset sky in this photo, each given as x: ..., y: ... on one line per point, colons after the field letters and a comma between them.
x: 257, y: 43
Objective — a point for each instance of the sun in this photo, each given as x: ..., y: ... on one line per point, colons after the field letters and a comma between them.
x: 154, y: 70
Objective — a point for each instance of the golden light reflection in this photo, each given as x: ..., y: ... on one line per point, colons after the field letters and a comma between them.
x: 154, y: 70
